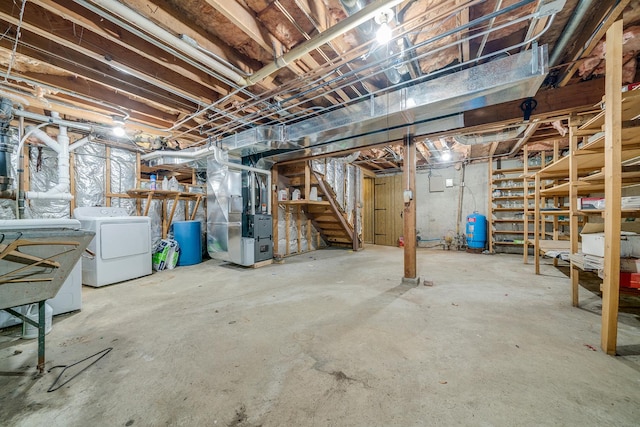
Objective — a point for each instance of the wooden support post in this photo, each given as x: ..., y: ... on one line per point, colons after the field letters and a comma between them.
x: 525, y: 205
x: 409, y: 213
x: 536, y: 225
x: 274, y: 209
x: 612, y: 188
x: 307, y: 179
x: 107, y: 183
x: 574, y: 273
x: 490, y: 207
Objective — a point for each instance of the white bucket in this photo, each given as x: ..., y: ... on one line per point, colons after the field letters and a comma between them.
x: 29, y: 331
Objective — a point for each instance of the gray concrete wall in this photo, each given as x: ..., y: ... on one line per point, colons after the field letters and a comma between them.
x: 437, y: 212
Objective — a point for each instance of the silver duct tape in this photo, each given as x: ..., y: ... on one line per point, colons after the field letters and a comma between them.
x: 43, y: 168
x: 90, y: 172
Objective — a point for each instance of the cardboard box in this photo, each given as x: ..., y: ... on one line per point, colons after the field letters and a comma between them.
x: 593, y: 244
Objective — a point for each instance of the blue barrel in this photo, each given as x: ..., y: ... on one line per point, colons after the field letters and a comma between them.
x: 476, y: 231
x: 187, y: 233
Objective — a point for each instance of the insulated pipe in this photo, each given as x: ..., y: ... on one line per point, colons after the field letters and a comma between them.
x: 168, y: 38
x: 569, y: 30
x: 326, y: 36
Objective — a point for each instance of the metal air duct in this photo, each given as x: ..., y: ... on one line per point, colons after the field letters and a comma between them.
x: 386, y: 116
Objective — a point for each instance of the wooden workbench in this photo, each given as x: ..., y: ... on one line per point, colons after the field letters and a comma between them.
x: 165, y: 196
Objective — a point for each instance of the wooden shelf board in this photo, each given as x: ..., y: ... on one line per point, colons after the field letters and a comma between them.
x: 304, y: 202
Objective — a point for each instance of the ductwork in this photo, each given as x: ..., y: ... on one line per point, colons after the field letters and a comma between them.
x: 428, y: 106
x: 488, y: 137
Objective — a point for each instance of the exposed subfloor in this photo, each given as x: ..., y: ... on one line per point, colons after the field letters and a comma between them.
x: 331, y: 338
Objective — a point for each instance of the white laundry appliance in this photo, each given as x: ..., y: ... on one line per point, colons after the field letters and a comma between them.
x: 121, y: 247
x: 69, y: 297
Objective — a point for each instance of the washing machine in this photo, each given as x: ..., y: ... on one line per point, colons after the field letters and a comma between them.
x: 69, y: 297
x: 121, y: 249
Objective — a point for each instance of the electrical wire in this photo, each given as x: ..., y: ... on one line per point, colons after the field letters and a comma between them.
x: 15, y: 45
x: 54, y: 387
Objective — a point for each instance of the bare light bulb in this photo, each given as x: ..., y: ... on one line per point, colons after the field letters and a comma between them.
x: 118, y: 131
x: 118, y: 127
x: 446, y: 155
x: 383, y: 35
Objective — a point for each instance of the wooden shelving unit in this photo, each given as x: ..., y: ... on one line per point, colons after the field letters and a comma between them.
x: 508, y: 190
x: 604, y: 163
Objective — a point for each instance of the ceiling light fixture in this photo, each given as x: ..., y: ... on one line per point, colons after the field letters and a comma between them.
x: 118, y: 127
x: 446, y: 155
x: 383, y: 35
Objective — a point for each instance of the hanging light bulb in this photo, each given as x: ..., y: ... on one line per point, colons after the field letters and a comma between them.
x: 446, y: 155
x: 383, y: 35
x: 118, y: 127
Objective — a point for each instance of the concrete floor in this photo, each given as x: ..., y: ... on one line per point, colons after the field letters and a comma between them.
x: 331, y: 339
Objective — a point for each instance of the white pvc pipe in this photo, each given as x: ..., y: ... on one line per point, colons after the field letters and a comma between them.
x: 60, y: 191
x: 79, y: 143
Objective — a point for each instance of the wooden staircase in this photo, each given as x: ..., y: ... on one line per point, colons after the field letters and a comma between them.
x: 329, y: 218
x: 326, y: 215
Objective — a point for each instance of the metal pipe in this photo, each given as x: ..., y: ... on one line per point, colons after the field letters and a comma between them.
x: 57, y: 121
x: 326, y: 36
x: 579, y: 12
x: 165, y: 36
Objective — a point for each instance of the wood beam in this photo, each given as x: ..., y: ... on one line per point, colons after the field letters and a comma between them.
x: 556, y: 101
x: 409, y: 212
x: 612, y: 188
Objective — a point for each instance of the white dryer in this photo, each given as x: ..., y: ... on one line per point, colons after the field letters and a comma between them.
x: 69, y: 297
x: 121, y: 248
